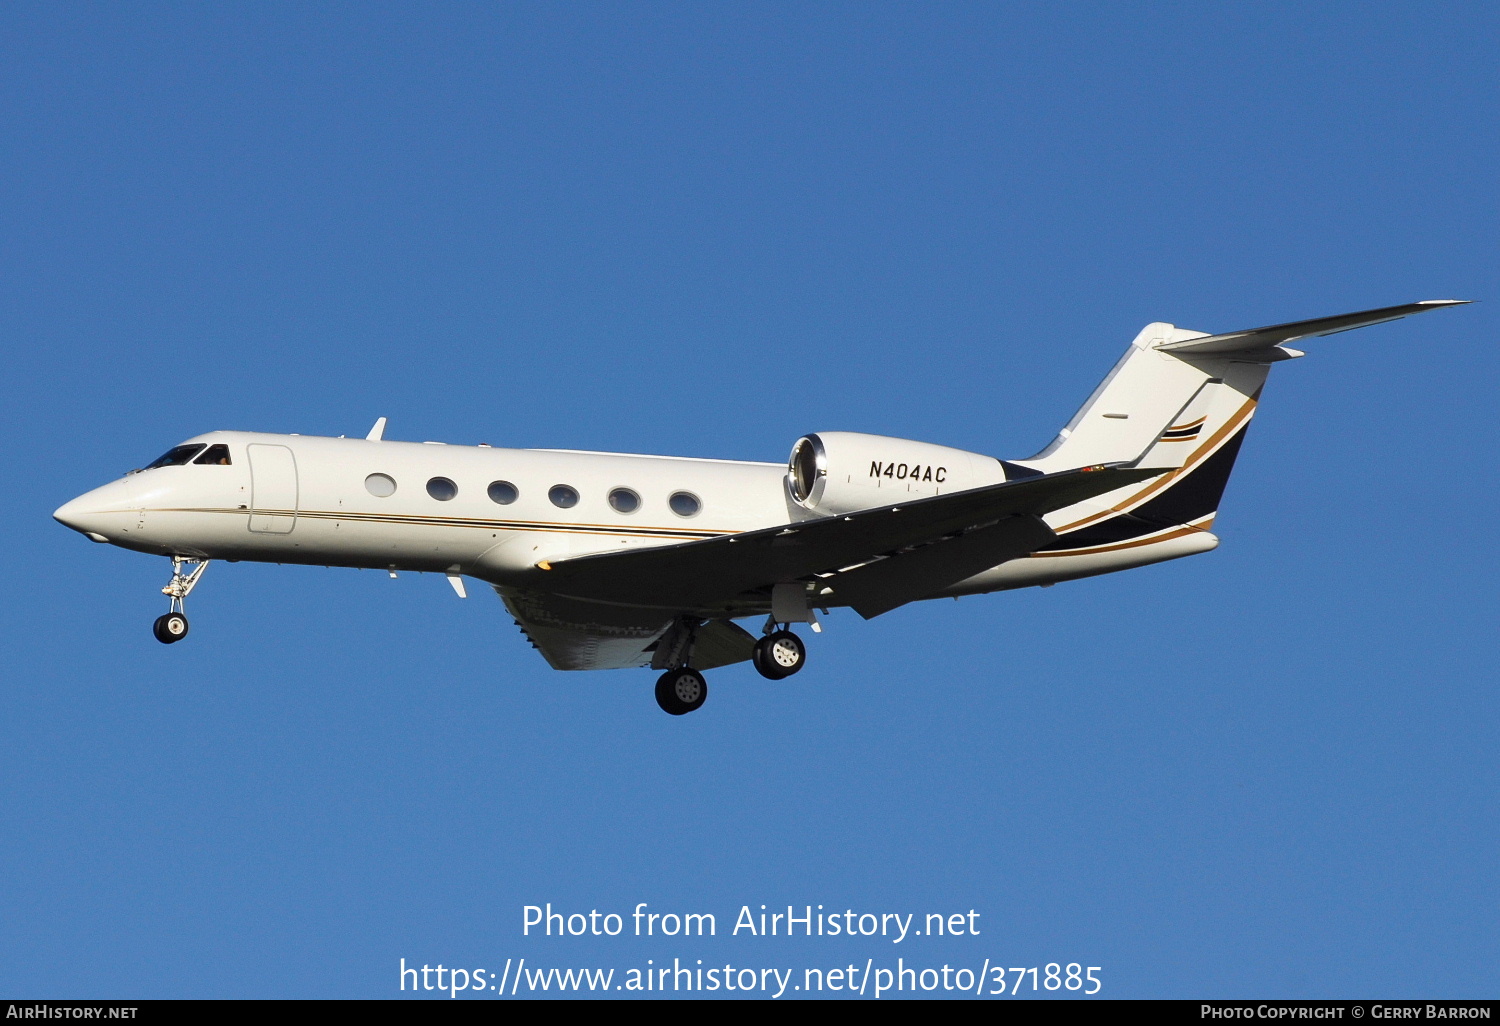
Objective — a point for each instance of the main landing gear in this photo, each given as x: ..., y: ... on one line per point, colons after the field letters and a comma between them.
x: 173, y: 625
x: 681, y: 691
x: 779, y: 655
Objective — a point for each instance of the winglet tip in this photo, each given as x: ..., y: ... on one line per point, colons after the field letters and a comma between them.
x: 1445, y: 302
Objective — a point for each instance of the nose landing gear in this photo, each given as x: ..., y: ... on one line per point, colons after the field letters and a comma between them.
x: 170, y: 627
x: 173, y: 626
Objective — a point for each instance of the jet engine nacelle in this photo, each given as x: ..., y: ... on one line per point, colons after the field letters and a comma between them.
x: 841, y: 471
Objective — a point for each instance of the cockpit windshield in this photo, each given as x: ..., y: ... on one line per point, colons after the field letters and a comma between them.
x: 216, y: 455
x: 176, y: 456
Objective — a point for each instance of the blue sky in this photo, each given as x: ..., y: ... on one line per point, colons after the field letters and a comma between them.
x: 706, y: 230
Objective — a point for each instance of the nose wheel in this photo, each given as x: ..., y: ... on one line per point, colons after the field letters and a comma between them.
x: 679, y: 692
x: 170, y: 627
x: 779, y: 655
x: 173, y: 625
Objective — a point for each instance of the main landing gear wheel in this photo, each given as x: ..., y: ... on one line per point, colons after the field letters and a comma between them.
x: 779, y: 655
x: 681, y: 691
x: 170, y: 627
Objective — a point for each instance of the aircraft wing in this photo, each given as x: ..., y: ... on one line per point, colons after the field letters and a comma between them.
x: 893, y: 554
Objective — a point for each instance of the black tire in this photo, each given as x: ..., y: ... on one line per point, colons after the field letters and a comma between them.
x: 679, y: 692
x: 762, y: 661
x: 170, y: 627
x: 784, y: 653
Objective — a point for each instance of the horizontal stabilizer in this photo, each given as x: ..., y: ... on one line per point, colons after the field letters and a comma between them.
x: 1276, y: 334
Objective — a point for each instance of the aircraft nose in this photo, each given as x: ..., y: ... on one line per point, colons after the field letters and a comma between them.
x: 94, y: 514
x: 78, y: 515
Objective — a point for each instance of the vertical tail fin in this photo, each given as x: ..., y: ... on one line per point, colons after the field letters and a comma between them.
x: 1181, y: 401
x: 1185, y: 416
x: 1149, y: 393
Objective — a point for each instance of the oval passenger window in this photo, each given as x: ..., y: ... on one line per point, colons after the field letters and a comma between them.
x: 441, y: 489
x: 502, y: 492
x: 623, y: 500
x: 563, y: 496
x: 684, y: 504
x: 380, y: 485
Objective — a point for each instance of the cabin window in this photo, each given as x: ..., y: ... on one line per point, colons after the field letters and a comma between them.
x: 441, y: 489
x: 214, y: 456
x: 563, y: 496
x: 503, y: 492
x: 380, y: 485
x: 176, y: 456
x: 685, y: 504
x: 623, y: 500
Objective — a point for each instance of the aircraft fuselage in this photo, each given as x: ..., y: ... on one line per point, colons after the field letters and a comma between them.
x: 308, y: 499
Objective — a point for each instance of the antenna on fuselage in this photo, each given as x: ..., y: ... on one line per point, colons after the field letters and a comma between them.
x: 377, y: 432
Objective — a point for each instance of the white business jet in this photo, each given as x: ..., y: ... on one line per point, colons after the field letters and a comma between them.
x: 609, y: 560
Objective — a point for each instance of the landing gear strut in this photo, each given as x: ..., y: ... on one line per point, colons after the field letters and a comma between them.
x: 778, y: 655
x: 173, y: 626
x: 681, y: 691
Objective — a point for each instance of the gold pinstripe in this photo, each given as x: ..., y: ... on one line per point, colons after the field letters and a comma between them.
x: 1166, y: 480
x: 1180, y: 532
x: 1184, y: 427
x: 687, y: 534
